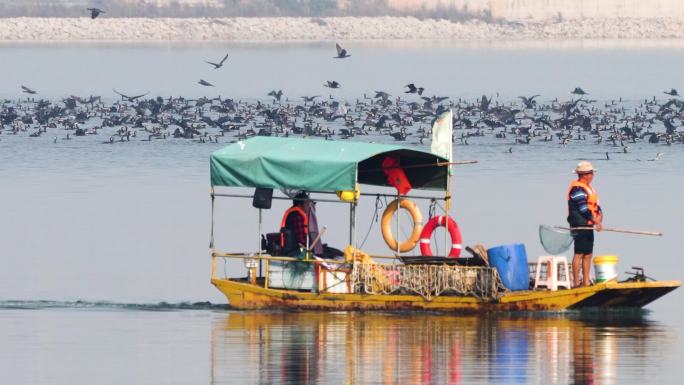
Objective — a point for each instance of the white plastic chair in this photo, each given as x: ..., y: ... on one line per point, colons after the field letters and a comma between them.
x: 557, y: 273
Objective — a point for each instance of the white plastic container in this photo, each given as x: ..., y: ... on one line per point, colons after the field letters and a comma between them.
x: 281, y: 275
x: 331, y: 281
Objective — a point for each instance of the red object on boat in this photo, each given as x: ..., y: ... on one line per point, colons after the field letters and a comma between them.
x: 396, y: 175
x: 454, y: 233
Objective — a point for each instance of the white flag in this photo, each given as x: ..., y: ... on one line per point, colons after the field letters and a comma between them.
x: 441, y: 136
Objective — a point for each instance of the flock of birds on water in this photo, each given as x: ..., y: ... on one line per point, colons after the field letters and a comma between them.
x: 377, y: 116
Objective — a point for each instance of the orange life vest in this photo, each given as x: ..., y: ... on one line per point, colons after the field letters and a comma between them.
x: 592, y: 198
x: 293, y: 209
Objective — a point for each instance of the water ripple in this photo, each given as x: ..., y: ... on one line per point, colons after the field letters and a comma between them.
x: 160, y: 306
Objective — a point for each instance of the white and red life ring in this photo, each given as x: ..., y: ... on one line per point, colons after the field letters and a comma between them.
x: 454, y: 233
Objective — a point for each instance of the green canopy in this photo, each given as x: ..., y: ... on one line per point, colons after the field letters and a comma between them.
x: 319, y: 165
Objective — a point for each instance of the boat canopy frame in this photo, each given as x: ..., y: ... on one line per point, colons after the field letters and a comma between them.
x: 321, y: 167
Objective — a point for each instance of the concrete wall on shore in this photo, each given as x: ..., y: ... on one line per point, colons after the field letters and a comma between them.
x: 554, y: 9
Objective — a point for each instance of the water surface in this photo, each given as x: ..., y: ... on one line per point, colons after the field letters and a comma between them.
x: 167, y: 346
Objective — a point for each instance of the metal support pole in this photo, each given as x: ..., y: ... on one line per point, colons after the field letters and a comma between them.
x: 211, y: 236
x: 398, y: 208
x: 259, y: 236
x: 351, y: 223
x: 354, y: 226
x: 308, y: 241
x: 447, y: 205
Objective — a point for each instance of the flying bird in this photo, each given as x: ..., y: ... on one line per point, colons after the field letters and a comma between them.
x: 579, y: 91
x: 219, y: 64
x: 341, y: 52
x: 129, y: 98
x: 529, y: 102
x: 205, y: 83
x: 332, y: 84
x: 412, y: 89
x: 434, y: 99
x: 309, y: 99
x: 28, y: 90
x: 95, y: 12
x: 672, y: 92
x: 382, y: 94
x: 276, y: 94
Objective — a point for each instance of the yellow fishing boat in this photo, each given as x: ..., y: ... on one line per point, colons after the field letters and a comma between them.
x: 333, y: 171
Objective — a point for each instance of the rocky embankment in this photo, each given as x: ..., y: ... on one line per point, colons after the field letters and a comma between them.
x: 327, y: 29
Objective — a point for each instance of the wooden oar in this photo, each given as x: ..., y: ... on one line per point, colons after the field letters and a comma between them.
x: 614, y: 230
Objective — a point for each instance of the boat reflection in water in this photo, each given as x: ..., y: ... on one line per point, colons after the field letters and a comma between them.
x: 337, y: 348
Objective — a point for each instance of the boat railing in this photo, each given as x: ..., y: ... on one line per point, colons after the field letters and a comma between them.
x: 254, y: 260
x: 428, y: 281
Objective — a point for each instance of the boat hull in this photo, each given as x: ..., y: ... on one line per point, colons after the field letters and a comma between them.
x: 243, y: 295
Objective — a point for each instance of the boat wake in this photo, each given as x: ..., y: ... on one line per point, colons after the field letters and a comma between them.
x: 160, y: 306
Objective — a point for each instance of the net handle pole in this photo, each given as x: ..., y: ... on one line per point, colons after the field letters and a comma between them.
x: 211, y: 233
x: 614, y: 230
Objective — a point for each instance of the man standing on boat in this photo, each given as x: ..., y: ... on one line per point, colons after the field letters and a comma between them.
x: 583, y: 211
x: 301, y: 219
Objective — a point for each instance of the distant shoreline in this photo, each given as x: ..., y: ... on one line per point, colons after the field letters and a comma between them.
x: 292, y: 29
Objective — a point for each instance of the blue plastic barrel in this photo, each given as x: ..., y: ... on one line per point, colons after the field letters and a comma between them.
x: 511, y: 263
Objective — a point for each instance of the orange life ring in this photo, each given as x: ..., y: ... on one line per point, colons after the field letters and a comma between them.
x: 386, y: 225
x: 454, y: 233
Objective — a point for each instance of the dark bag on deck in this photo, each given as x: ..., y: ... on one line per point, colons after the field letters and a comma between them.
x: 271, y: 243
x: 290, y: 244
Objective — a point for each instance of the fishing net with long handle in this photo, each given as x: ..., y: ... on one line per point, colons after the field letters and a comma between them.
x: 554, y: 240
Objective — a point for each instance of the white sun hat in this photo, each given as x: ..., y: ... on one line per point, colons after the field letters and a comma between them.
x: 584, y: 167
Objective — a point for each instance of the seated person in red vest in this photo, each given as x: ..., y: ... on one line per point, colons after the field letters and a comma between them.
x: 300, y: 226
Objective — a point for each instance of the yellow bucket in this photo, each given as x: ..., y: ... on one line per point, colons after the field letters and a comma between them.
x: 605, y: 267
